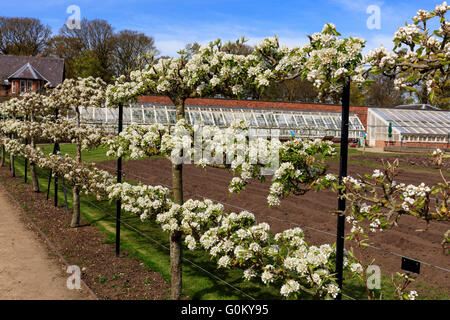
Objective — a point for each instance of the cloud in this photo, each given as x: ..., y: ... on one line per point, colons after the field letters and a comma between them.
x: 377, y: 40
x: 358, y: 6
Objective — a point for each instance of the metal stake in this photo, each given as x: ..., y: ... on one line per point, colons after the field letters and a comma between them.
x: 119, y: 180
x: 55, y: 151
x: 342, y: 174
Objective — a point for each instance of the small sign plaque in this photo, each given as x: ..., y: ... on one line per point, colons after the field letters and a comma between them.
x: 410, y: 265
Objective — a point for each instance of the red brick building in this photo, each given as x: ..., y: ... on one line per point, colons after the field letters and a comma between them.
x: 23, y: 73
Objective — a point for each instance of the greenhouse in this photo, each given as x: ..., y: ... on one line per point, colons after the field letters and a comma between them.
x: 408, y: 127
x: 263, y: 122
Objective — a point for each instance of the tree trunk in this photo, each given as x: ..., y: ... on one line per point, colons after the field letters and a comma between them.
x: 34, y: 178
x: 13, y: 167
x: 175, y: 237
x: 2, y: 160
x: 76, y: 208
x: 76, y: 190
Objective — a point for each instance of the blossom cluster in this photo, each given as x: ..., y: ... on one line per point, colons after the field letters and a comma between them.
x: 326, y: 61
x: 236, y: 239
x: 295, y: 165
x: 420, y: 55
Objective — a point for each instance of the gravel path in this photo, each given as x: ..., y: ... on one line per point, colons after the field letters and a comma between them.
x: 27, y: 270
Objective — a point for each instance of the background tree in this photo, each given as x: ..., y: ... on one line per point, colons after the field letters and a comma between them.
x: 295, y: 90
x: 23, y: 36
x: 96, y: 37
x: 128, y: 49
x: 192, y: 48
x: 87, y: 65
x: 382, y: 93
x: 238, y: 47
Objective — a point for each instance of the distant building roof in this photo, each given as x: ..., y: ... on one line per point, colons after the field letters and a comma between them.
x: 416, y: 107
x: 27, y: 72
x: 408, y: 121
x: 26, y: 67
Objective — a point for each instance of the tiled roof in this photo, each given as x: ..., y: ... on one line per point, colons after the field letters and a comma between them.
x: 51, y: 69
x: 27, y: 72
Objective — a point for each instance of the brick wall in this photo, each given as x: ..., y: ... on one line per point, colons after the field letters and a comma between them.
x: 432, y: 145
x: 4, y: 92
x: 359, y: 110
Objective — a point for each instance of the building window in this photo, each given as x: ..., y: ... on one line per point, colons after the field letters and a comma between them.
x: 22, y: 86
x: 38, y: 86
x: 13, y: 87
x: 30, y: 85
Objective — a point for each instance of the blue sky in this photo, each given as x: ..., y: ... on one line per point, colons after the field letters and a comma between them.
x: 176, y: 23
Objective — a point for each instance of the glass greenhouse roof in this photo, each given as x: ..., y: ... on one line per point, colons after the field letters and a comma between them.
x: 417, y: 122
x: 301, y: 123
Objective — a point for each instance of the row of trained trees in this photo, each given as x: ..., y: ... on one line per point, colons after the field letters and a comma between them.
x: 285, y: 259
x: 97, y: 50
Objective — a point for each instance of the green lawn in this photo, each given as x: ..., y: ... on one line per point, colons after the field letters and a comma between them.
x: 196, y: 283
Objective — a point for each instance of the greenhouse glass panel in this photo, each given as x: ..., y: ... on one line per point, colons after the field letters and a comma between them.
x: 301, y: 122
x: 329, y: 122
x: 137, y: 115
x: 280, y: 119
x: 260, y: 118
x: 309, y: 121
x: 250, y: 119
x: 207, y: 118
x: 238, y: 115
x: 161, y: 116
x: 172, y: 116
x: 290, y: 119
x: 270, y: 120
x: 149, y: 115
x: 319, y: 122
x: 228, y: 118
x: 218, y: 118
x: 195, y: 116
x: 100, y: 114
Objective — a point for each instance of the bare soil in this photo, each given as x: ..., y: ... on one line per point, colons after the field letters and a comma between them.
x: 406, y: 160
x: 314, y: 211
x: 108, y: 276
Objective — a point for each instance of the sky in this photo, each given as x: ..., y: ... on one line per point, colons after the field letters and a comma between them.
x: 175, y: 23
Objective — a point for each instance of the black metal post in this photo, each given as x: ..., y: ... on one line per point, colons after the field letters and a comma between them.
x: 26, y: 159
x: 13, y: 167
x: 119, y: 180
x: 49, y: 183
x: 26, y: 170
x: 10, y: 156
x: 342, y: 174
x: 56, y: 150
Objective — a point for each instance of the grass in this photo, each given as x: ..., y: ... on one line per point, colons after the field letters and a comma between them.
x: 150, y: 249
x: 96, y: 155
